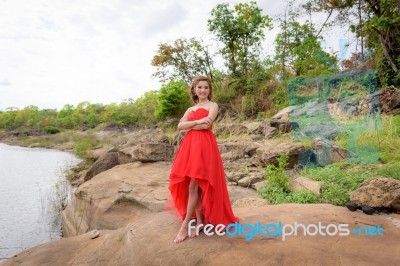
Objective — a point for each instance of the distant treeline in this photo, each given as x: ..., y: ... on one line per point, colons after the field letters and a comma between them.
x: 146, y: 111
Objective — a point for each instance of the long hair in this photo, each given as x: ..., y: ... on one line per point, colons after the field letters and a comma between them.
x: 196, y: 81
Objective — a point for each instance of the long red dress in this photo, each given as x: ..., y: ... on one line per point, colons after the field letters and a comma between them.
x: 198, y: 158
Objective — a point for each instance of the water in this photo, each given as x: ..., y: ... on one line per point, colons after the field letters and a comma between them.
x: 31, y: 185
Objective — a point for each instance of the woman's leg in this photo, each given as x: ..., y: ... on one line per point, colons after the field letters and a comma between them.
x: 192, y: 203
x: 199, y: 215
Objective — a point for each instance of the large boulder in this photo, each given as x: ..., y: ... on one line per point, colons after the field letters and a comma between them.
x: 326, y: 152
x: 326, y: 130
x: 378, y: 192
x: 105, y: 162
x: 271, y: 150
x: 150, y: 242
x: 152, y: 152
x: 116, y: 197
x: 124, y: 194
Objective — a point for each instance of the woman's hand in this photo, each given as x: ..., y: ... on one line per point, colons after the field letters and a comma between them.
x: 206, y: 120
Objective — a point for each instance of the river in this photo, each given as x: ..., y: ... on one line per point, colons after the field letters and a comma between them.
x: 32, y: 186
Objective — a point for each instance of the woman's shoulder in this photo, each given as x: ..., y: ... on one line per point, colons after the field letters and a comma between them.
x: 213, y: 104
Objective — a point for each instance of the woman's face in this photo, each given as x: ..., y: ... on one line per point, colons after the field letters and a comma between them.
x: 202, y: 90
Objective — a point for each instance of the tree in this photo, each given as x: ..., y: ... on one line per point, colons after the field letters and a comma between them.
x: 298, y: 50
x: 241, y: 31
x: 173, y: 100
x: 182, y: 60
x: 377, y: 23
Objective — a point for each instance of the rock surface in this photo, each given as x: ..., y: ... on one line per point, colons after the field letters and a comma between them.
x: 150, y: 242
x: 122, y: 195
x: 378, y: 192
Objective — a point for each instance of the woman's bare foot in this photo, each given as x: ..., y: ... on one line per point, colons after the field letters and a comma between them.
x: 199, y: 224
x: 182, y: 234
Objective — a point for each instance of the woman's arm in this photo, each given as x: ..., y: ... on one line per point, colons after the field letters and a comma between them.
x: 206, y: 122
x: 184, y: 124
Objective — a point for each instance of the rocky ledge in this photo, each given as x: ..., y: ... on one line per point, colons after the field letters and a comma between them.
x: 150, y: 242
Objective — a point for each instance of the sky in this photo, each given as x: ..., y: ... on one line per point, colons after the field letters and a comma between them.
x: 58, y: 52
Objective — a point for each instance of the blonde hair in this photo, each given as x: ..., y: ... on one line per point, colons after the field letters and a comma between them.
x: 196, y: 81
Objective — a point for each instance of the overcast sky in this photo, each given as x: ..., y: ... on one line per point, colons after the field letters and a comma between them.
x: 57, y: 52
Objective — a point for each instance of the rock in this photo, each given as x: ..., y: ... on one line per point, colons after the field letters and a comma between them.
x: 236, y: 193
x: 378, y: 192
x: 318, y: 109
x: 105, y: 162
x: 235, y: 129
x: 271, y: 150
x: 324, y: 130
x: 265, y: 130
x: 249, y: 202
x: 284, y: 113
x: 116, y: 197
x: 150, y: 242
x: 232, y: 155
x: 178, y: 138
x: 395, y: 101
x: 145, y: 136
x: 305, y: 183
x: 282, y: 125
x: 235, y: 150
x: 258, y: 185
x: 368, y: 210
x: 94, y: 234
x: 386, y: 100
x: 124, y: 194
x: 352, y: 206
x: 152, y: 152
x: 343, y: 108
x: 251, y: 179
x: 327, y: 152
x: 97, y: 153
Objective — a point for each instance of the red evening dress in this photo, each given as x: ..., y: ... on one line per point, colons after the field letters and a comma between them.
x: 198, y: 158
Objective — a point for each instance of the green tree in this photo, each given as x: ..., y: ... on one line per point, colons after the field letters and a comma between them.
x: 145, y: 107
x: 241, y: 31
x: 183, y: 59
x: 378, y: 22
x: 298, y: 50
x: 173, y: 100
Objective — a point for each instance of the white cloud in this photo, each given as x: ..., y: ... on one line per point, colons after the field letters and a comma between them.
x: 57, y: 52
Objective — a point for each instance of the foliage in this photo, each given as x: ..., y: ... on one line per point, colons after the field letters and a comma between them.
x: 83, y: 145
x: 276, y: 189
x: 51, y: 130
x: 183, y: 59
x: 328, y: 85
x: 376, y: 24
x: 241, y: 31
x: 173, y: 100
x: 298, y: 50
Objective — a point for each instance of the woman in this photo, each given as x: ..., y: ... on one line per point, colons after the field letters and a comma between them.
x: 197, y: 179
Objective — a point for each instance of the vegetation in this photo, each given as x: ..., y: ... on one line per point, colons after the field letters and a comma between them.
x: 253, y: 85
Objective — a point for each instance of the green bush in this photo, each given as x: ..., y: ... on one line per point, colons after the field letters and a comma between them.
x: 51, y: 130
x: 84, y: 144
x: 173, y: 100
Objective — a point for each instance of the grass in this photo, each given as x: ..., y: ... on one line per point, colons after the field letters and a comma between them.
x: 277, y: 189
x: 340, y: 179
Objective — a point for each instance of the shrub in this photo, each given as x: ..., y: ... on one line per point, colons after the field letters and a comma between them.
x: 51, y: 130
